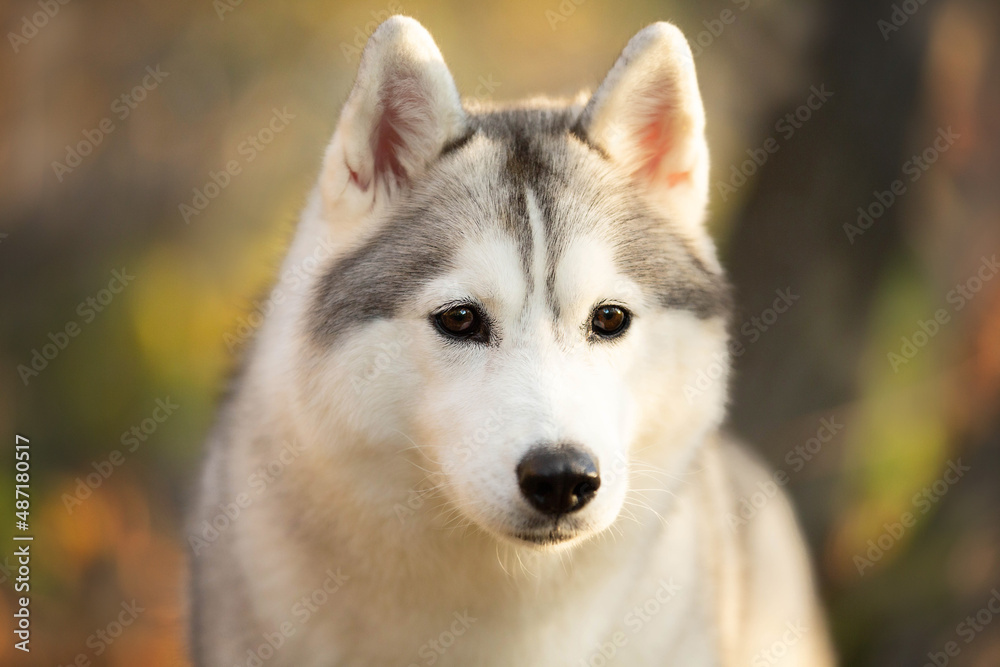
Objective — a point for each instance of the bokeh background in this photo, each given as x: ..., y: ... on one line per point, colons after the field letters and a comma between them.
x: 901, y: 74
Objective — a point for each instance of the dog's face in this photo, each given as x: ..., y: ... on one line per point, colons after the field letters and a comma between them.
x: 526, y: 297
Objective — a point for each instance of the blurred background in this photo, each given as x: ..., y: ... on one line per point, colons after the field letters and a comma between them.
x: 856, y: 149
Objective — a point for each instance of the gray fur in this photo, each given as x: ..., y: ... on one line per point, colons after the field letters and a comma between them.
x: 540, y: 149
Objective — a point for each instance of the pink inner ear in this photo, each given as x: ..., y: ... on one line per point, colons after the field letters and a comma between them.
x: 656, y: 142
x: 678, y: 177
x: 403, y: 115
x: 386, y: 143
x: 357, y: 179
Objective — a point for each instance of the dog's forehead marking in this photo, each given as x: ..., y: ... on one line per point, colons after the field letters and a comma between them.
x: 532, y: 169
x: 540, y: 295
x: 525, y: 171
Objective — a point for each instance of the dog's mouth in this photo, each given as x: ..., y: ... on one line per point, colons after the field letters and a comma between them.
x: 547, y: 533
x: 545, y: 539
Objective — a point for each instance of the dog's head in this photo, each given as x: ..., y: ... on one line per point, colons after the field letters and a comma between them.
x: 524, y: 300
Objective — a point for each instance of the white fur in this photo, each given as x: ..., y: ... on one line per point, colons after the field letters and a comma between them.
x: 405, y: 480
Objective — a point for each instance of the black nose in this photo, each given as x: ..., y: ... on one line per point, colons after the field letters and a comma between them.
x: 558, y: 480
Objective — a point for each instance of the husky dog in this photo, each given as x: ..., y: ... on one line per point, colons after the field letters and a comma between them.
x: 470, y: 431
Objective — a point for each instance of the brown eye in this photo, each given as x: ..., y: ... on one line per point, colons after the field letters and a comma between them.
x: 610, y: 321
x: 462, y: 322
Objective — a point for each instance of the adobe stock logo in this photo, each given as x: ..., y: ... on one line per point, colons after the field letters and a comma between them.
x: 131, y: 440
x: 565, y: 9
x: 223, y: 7
x: 30, y: 25
x: 87, y: 310
x: 914, y: 168
x: 752, y: 329
x: 432, y: 650
x: 352, y: 51
x: 635, y: 620
x: 750, y: 505
x: 923, y: 500
x: 967, y: 630
x: 715, y: 27
x: 248, y: 149
x: 901, y: 14
x: 787, y: 126
x: 121, y: 107
x: 958, y: 298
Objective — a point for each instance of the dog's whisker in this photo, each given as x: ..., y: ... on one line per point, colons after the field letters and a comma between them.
x: 500, y: 561
x: 640, y: 504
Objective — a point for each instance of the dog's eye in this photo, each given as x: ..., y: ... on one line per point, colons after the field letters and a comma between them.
x: 462, y: 322
x: 610, y: 321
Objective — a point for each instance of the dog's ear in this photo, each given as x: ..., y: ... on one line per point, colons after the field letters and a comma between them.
x: 403, y: 109
x: 648, y: 116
